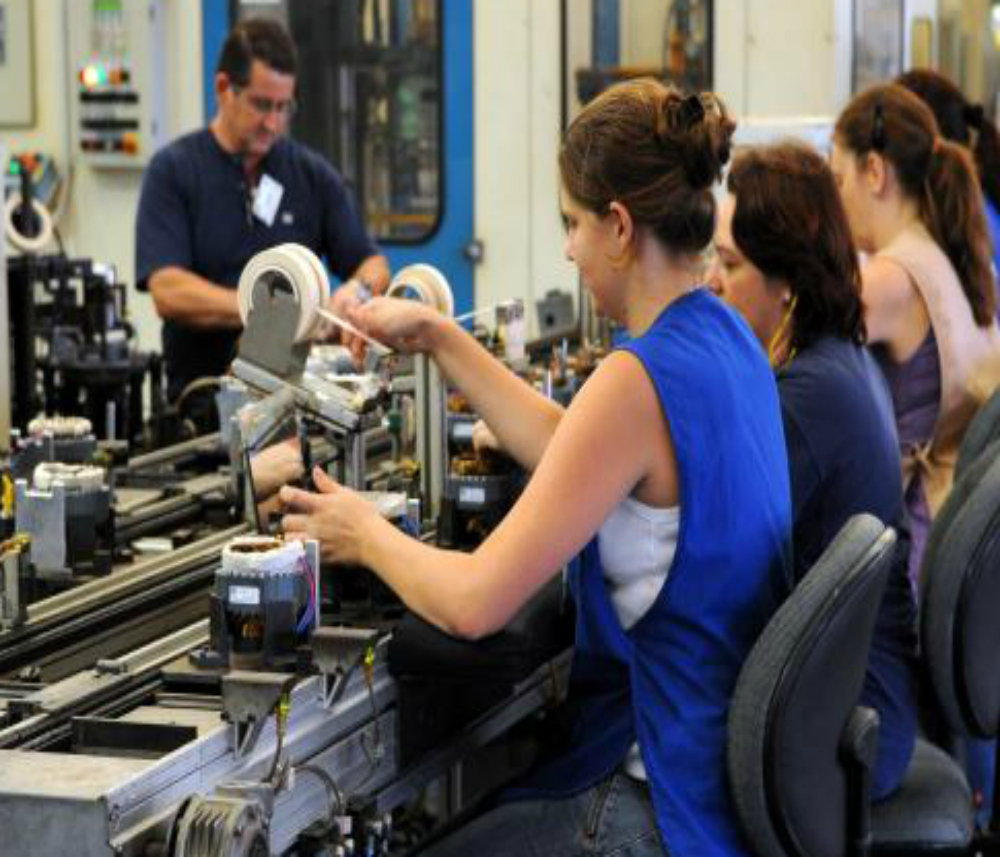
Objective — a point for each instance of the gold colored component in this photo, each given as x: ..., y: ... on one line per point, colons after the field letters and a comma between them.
x: 7, y: 507
x: 458, y: 404
x: 18, y: 543
x: 483, y: 462
x: 259, y: 546
x: 252, y: 630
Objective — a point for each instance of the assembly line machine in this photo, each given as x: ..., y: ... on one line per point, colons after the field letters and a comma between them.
x: 226, y: 694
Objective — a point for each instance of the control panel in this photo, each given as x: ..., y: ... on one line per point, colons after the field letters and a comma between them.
x: 118, y: 60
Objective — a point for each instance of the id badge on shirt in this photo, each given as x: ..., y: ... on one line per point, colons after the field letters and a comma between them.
x: 266, y: 199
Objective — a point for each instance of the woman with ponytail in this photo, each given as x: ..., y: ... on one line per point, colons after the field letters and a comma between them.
x: 915, y: 208
x: 967, y: 124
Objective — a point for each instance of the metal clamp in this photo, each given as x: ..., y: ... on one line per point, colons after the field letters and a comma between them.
x: 248, y: 698
x: 337, y: 651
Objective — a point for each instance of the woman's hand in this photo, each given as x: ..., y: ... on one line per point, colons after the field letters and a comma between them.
x: 338, y: 518
x: 401, y: 324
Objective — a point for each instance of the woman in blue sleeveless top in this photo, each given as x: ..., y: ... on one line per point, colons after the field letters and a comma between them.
x: 667, y: 474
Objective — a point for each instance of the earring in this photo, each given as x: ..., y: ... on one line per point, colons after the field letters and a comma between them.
x: 778, y: 351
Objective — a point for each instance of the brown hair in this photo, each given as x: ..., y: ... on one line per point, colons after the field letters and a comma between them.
x: 262, y: 39
x: 938, y: 174
x: 790, y: 223
x: 955, y: 118
x: 644, y: 145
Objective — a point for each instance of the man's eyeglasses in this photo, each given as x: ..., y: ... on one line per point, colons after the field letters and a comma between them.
x: 265, y: 106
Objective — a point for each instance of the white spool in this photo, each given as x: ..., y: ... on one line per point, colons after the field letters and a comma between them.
x: 262, y: 555
x: 19, y: 241
x: 51, y: 473
x: 425, y: 282
x: 304, y: 273
x: 60, y: 426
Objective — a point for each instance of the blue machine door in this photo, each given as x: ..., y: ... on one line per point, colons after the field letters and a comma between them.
x: 385, y: 93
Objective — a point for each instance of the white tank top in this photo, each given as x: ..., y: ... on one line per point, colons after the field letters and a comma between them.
x: 637, y: 544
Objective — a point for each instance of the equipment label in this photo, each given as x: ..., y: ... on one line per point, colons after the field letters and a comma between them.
x: 472, y: 494
x: 244, y: 595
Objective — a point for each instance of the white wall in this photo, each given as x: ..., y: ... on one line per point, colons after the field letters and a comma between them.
x: 517, y: 109
x: 643, y: 25
x: 782, y: 57
x: 100, y: 218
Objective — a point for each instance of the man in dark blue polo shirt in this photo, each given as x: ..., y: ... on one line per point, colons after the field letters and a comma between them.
x: 214, y: 198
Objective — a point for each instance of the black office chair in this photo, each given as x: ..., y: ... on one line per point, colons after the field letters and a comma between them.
x: 960, y: 642
x: 983, y: 431
x: 800, y: 751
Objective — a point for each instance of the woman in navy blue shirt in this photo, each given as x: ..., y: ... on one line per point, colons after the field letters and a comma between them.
x: 787, y: 262
x: 667, y: 471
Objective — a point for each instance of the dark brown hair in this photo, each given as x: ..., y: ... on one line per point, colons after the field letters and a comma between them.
x: 790, y: 223
x: 955, y: 118
x: 262, y: 39
x: 938, y: 174
x: 644, y: 145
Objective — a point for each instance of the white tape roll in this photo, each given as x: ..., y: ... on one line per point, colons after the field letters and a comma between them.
x: 426, y: 284
x: 60, y: 426
x: 302, y: 270
x: 25, y: 243
x: 50, y: 473
x: 262, y: 555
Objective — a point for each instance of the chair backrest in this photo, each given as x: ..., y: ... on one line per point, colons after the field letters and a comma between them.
x: 983, y: 431
x: 960, y: 601
x: 797, y: 692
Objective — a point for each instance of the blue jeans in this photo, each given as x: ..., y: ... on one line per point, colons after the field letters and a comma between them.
x: 615, y: 818
x: 980, y: 760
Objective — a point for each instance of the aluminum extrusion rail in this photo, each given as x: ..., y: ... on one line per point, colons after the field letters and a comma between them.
x: 129, y: 608
x: 115, y: 684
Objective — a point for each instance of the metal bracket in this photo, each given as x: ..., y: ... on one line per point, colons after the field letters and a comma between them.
x: 248, y: 698
x: 337, y: 651
x: 268, y: 339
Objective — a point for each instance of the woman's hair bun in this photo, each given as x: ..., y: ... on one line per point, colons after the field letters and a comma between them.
x: 658, y: 153
x: 697, y: 130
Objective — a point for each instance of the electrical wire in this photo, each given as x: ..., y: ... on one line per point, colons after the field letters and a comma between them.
x: 310, y: 612
x: 205, y: 383
x: 281, y: 712
x: 279, y: 746
x: 338, y: 803
x: 376, y: 752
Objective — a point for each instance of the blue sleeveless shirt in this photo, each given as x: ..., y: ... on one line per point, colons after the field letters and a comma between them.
x: 667, y: 681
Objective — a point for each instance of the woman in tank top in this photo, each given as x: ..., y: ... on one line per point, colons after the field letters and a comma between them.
x: 916, y: 210
x: 673, y: 447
